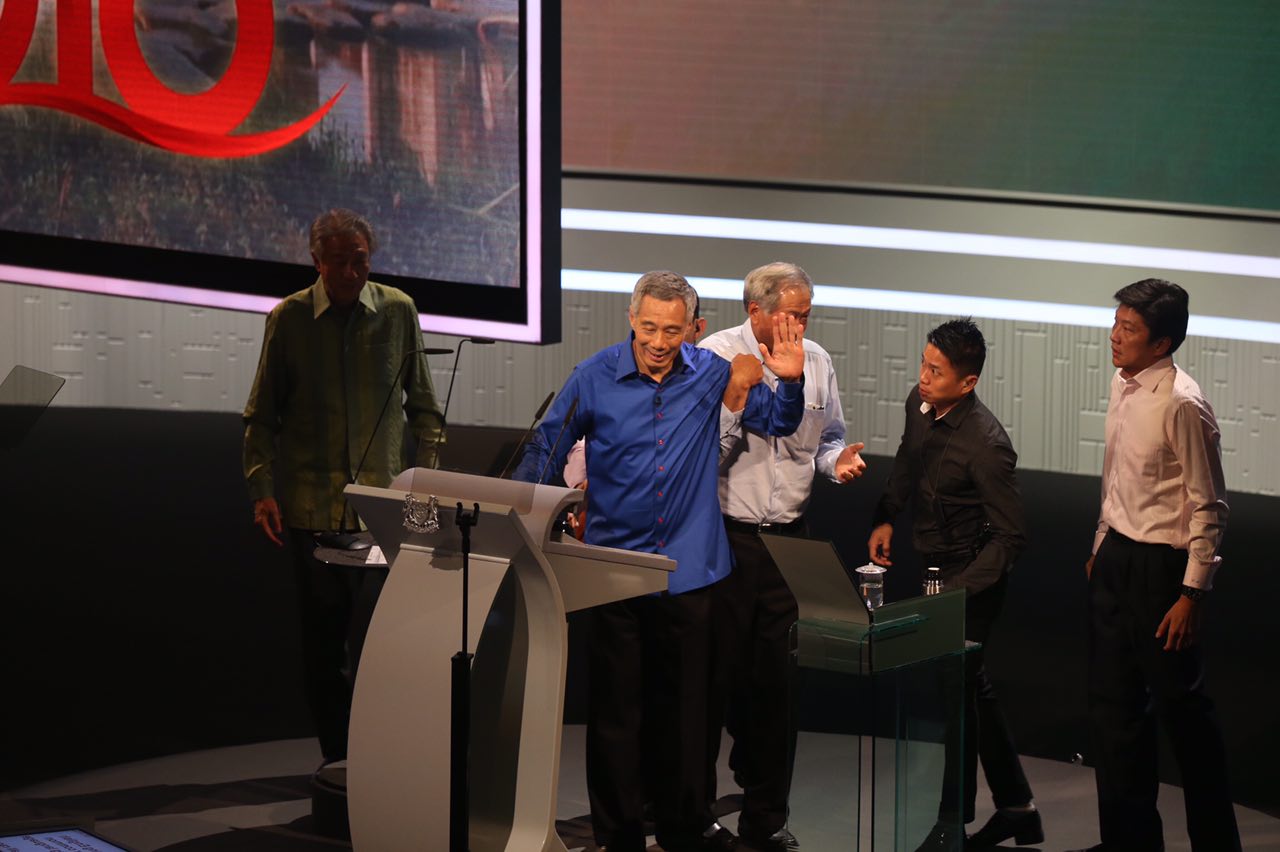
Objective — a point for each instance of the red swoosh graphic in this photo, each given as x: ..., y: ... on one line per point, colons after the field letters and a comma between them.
x: 181, y: 140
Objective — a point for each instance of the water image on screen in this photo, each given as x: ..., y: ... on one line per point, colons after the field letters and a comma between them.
x: 169, y: 128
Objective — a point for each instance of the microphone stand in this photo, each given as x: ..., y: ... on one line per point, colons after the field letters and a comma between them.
x: 460, y: 705
x: 556, y: 444
x: 349, y: 541
x: 542, y: 409
x: 480, y: 341
x: 460, y: 702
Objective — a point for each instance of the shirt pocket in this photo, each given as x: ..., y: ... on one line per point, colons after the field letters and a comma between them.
x: 378, y: 363
x: 809, y: 432
x: 1148, y: 458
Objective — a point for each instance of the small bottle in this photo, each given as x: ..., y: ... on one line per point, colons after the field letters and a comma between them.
x: 933, y: 581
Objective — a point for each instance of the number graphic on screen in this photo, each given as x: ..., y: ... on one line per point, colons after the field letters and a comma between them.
x: 198, y: 124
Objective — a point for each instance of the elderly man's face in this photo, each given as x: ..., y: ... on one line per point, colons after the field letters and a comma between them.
x: 793, y: 301
x: 660, y: 329
x: 343, y: 264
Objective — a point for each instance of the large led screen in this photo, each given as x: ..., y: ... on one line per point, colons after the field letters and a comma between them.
x: 1169, y: 101
x: 168, y: 148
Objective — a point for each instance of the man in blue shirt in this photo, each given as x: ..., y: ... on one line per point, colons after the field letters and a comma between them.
x: 650, y: 410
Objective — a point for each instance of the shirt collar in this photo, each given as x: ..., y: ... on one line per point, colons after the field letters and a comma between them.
x: 956, y: 415
x: 753, y: 345
x: 749, y: 338
x: 1150, y: 378
x: 627, y: 360
x: 320, y: 298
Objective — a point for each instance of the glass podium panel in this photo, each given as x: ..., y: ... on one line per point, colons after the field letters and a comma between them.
x: 877, y: 697
x: 24, y: 395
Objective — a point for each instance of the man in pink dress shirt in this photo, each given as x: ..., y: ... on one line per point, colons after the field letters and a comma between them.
x: 1150, y: 578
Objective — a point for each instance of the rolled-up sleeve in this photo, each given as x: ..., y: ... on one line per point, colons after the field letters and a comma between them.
x: 1195, y: 440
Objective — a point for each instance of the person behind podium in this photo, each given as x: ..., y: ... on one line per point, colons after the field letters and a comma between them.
x: 329, y: 356
x: 955, y: 467
x: 649, y: 408
x: 1155, y: 554
x: 575, y: 467
x: 765, y: 484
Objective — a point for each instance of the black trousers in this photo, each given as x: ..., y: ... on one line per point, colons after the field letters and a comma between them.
x: 335, y: 605
x: 753, y: 611
x: 1132, y: 682
x: 985, y: 736
x: 646, y: 716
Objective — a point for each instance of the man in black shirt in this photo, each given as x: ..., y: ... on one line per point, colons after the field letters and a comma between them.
x: 956, y: 467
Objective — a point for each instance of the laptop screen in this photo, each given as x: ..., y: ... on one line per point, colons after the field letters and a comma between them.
x: 817, y: 577
x: 57, y: 840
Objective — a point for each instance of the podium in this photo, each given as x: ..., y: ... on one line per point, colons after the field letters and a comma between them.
x: 522, y: 585
x: 880, y: 700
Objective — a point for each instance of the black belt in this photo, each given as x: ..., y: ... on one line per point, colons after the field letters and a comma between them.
x: 795, y: 527
x: 1124, y: 539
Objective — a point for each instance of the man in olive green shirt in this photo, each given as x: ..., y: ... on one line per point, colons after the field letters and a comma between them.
x: 329, y: 356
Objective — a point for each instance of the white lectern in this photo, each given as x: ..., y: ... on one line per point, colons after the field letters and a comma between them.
x: 522, y: 584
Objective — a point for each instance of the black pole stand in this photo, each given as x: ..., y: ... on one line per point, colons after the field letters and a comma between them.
x: 460, y: 710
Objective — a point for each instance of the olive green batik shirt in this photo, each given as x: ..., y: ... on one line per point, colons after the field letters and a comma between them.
x: 323, y: 377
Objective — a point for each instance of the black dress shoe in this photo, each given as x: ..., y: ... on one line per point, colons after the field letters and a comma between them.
x: 780, y: 841
x: 787, y: 839
x: 1023, y: 826
x: 943, y: 838
x: 720, y: 840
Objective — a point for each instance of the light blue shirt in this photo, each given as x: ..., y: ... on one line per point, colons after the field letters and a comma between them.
x: 767, y: 479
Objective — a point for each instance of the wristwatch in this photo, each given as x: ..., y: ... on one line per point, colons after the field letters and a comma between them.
x: 1194, y: 594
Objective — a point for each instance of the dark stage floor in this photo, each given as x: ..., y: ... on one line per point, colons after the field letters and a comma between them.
x: 256, y: 798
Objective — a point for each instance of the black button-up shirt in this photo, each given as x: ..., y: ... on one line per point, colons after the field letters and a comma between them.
x: 958, y: 473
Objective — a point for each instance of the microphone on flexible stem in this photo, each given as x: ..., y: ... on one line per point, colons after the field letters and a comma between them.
x: 479, y: 341
x: 542, y: 409
x: 348, y: 541
x: 567, y: 417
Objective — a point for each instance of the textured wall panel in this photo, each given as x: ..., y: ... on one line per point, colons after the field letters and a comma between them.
x: 130, y: 353
x: 1046, y: 383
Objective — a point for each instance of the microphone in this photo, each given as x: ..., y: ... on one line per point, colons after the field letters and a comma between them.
x: 348, y: 541
x: 542, y: 409
x: 479, y: 341
x: 567, y: 417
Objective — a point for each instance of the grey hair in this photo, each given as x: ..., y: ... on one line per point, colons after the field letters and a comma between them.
x: 765, y: 284
x: 665, y: 287
x: 340, y: 222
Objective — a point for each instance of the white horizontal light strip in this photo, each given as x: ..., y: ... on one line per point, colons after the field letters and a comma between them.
x: 137, y: 289
x: 934, y: 303
x: 908, y: 239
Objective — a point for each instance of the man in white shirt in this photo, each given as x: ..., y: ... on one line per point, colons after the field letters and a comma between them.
x: 765, y: 484
x: 1154, y: 559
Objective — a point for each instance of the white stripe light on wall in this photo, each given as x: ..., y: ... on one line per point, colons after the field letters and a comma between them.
x: 902, y: 239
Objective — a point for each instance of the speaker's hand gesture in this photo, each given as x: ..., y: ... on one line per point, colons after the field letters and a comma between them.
x: 786, y: 359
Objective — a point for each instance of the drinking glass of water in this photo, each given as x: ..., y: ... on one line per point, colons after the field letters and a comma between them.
x: 871, y: 585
